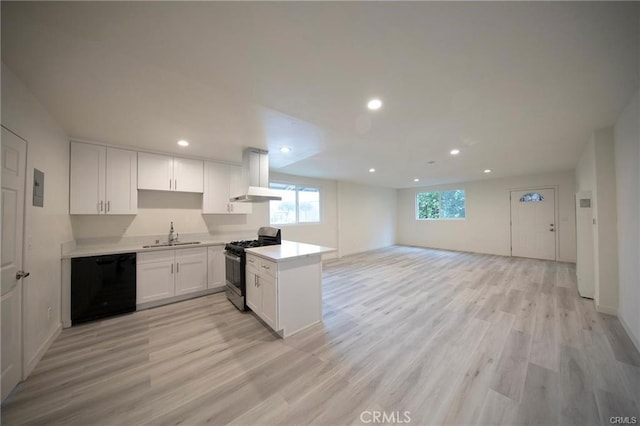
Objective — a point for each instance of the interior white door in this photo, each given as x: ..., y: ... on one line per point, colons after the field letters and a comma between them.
x: 584, y: 239
x: 533, y: 230
x: 13, y: 159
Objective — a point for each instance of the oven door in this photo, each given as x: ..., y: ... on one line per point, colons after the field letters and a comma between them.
x: 234, y: 271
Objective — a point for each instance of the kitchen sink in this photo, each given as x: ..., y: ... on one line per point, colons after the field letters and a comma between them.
x: 186, y: 243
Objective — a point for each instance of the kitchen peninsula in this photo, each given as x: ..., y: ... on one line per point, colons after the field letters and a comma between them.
x: 284, y: 285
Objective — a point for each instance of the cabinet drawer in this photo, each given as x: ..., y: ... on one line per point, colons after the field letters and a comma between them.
x: 156, y: 256
x: 253, y: 263
x: 269, y: 268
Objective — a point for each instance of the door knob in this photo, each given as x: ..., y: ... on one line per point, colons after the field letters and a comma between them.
x: 21, y: 274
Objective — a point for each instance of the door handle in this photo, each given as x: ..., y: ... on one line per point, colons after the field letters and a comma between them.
x: 21, y: 274
x: 552, y: 230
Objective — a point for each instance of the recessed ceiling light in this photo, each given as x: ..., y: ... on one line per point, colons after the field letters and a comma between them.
x: 454, y: 152
x: 285, y: 149
x: 182, y: 142
x: 487, y: 170
x: 372, y: 170
x: 416, y: 180
x: 374, y: 104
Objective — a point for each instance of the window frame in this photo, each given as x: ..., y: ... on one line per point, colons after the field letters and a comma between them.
x: 298, y: 185
x: 417, y: 213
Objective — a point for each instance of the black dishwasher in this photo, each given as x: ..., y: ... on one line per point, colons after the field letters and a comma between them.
x: 102, y: 286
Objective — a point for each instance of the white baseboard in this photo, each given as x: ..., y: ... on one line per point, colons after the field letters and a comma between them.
x: 30, y: 365
x: 610, y: 310
x: 634, y: 339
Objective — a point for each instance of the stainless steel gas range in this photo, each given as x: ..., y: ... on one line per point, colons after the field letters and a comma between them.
x: 236, y: 260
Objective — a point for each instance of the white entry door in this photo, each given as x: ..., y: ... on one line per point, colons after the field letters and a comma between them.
x: 533, y: 230
x: 13, y: 160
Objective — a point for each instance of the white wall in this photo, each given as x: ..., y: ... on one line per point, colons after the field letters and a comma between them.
x: 486, y: 228
x: 366, y: 219
x: 627, y: 161
x: 45, y: 227
x: 322, y: 234
x: 156, y: 209
x: 595, y: 172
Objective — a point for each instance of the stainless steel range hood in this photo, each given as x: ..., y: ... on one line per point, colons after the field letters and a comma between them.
x: 255, y: 175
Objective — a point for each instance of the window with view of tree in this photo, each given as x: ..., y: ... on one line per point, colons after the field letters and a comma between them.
x: 440, y: 205
x: 299, y: 204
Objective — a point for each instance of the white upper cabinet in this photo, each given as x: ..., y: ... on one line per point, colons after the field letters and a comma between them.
x: 221, y: 182
x: 188, y: 175
x: 103, y: 180
x: 166, y: 173
x: 122, y: 183
x: 155, y: 172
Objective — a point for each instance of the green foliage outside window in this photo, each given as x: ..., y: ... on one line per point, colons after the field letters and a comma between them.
x: 441, y: 205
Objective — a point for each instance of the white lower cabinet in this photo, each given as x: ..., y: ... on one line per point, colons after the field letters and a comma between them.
x: 262, y: 289
x: 216, y: 267
x: 154, y: 276
x: 169, y: 273
x: 286, y: 295
x: 269, y: 300
x: 191, y: 270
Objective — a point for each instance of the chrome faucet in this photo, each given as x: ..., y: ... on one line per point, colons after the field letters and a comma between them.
x: 173, y: 236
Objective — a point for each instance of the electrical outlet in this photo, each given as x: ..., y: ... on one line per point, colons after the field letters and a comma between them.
x: 49, y: 313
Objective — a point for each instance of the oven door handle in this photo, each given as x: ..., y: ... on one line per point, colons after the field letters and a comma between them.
x: 232, y: 257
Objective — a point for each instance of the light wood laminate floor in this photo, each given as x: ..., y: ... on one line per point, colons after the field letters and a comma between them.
x: 450, y: 338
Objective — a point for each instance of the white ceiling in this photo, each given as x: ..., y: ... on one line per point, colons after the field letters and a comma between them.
x: 518, y: 87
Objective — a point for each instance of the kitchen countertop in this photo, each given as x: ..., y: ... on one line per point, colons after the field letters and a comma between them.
x: 100, y: 250
x: 289, y: 250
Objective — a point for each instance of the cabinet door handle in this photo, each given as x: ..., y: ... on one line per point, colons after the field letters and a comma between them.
x: 178, y: 267
x: 172, y: 268
x: 175, y: 184
x: 101, y: 205
x: 169, y: 183
x: 108, y: 205
x: 231, y: 208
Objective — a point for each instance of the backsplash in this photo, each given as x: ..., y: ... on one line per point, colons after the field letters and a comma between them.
x: 156, y: 209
